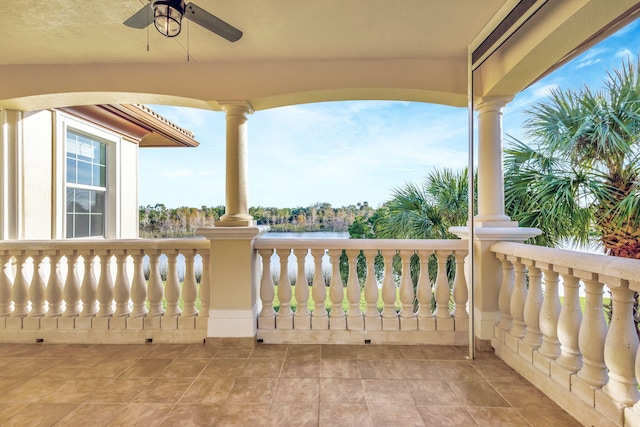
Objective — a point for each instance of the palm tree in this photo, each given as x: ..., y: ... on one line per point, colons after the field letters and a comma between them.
x: 579, y: 176
x: 427, y: 211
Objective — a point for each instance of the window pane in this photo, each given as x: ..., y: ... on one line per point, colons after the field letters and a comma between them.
x: 81, y: 225
x: 97, y: 202
x: 84, y: 173
x: 99, y: 176
x: 69, y: 226
x: 71, y: 200
x: 71, y: 170
x: 82, y: 200
x: 97, y: 225
x: 103, y: 154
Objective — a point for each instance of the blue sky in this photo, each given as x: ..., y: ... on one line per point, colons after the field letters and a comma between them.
x: 344, y: 152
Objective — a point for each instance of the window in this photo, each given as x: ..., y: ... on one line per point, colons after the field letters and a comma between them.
x: 86, y: 185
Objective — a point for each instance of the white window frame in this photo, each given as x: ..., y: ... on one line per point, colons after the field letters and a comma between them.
x: 63, y: 123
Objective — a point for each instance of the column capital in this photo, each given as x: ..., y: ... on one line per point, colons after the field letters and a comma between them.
x: 491, y: 103
x: 236, y: 108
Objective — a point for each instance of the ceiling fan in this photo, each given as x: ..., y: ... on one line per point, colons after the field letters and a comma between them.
x: 167, y: 16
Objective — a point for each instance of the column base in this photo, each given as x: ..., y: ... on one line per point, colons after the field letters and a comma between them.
x: 235, y: 223
x: 232, y: 323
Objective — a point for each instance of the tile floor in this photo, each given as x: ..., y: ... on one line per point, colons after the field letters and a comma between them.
x: 268, y: 385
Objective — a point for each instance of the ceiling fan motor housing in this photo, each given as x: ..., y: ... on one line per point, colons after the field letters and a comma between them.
x: 167, y: 16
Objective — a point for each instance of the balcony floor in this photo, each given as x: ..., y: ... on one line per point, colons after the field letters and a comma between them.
x: 288, y: 385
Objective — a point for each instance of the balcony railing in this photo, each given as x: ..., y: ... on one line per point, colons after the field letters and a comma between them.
x: 60, y: 291
x: 371, y: 295
x: 587, y: 360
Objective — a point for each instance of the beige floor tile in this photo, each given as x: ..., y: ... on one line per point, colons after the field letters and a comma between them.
x: 190, y: 415
x: 339, y: 368
x: 243, y: 415
x: 262, y: 368
x: 524, y: 396
x: 301, y: 367
x: 458, y: 370
x: 141, y: 414
x: 293, y: 414
x: 129, y: 351
x: 379, y: 369
x: 344, y: 415
x: 432, y: 392
x: 165, y: 351
x: 108, y: 368
x: 496, y: 371
x: 341, y: 390
x: 25, y: 367
x: 71, y: 367
x: 75, y: 390
x: 477, y: 393
x: 8, y: 410
x: 223, y: 368
x: 400, y: 414
x: 145, y: 368
x: 255, y: 390
x: 165, y: 390
x: 365, y: 352
x: 337, y: 351
x: 412, y: 352
x: 198, y: 351
x: 233, y: 353
x: 418, y: 370
x: 7, y: 383
x: 386, y: 392
x: 305, y: 351
x: 446, y: 416
x: 269, y: 351
x: 208, y: 390
x: 32, y: 390
x: 39, y: 415
x: 498, y: 417
x: 548, y: 417
x: 443, y: 352
x: 183, y: 368
x: 297, y: 390
x: 91, y: 414
x: 119, y: 390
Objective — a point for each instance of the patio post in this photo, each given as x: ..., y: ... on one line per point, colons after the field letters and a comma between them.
x: 491, y: 223
x: 237, y: 170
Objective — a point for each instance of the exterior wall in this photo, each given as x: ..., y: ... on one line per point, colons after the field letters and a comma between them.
x: 33, y: 176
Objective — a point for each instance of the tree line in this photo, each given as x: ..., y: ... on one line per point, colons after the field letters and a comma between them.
x: 161, y: 221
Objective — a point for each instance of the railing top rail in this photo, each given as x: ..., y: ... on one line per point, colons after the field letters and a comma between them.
x: 616, y: 267
x: 198, y: 243
x: 363, y: 244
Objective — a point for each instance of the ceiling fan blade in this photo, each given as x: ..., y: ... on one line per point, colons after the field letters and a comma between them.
x: 212, y: 23
x: 142, y: 18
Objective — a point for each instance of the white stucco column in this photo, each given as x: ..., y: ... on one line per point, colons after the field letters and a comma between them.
x: 490, y: 169
x: 237, y: 164
x: 491, y: 223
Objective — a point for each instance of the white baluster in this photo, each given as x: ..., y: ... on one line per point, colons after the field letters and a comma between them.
x: 267, y: 314
x: 155, y: 285
x: 54, y: 286
x: 284, y: 318
x: 621, y: 345
x: 569, y: 322
x: 444, y: 321
x: 138, y: 286
x: 303, y: 315
x: 533, y: 338
x: 105, y: 286
x: 172, y: 287
x: 426, y: 320
x: 504, y: 297
x: 5, y: 284
x: 189, y: 287
x: 37, y: 288
x: 205, y: 286
x: 20, y: 291
x: 518, y: 299
x: 337, y: 319
x: 372, y: 315
x: 408, y: 319
x: 593, y: 332
x: 71, y: 291
x: 122, y: 287
x: 549, y: 315
x: 319, y: 318
x: 390, y: 319
x: 355, y: 319
x: 89, y: 286
x: 460, y: 292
